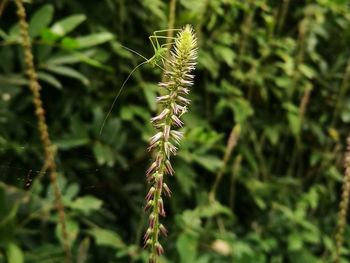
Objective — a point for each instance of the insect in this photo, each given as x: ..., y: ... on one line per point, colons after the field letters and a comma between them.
x: 160, y: 53
x: 28, y: 179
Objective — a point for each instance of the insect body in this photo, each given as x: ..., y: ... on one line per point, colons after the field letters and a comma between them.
x: 160, y: 54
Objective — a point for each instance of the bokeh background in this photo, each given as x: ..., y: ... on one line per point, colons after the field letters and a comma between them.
x: 258, y: 174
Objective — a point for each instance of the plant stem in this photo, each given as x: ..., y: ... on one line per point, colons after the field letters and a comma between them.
x: 340, y: 98
x: 231, y: 144
x: 42, y: 126
x: 235, y: 169
x: 344, y: 204
x: 282, y: 18
x: 246, y: 30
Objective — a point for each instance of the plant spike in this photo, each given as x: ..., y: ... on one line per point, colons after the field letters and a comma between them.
x: 181, y: 63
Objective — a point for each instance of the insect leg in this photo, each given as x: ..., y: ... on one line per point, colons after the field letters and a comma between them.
x: 156, y: 46
x: 154, y: 39
x: 167, y: 44
x: 160, y: 34
x: 156, y: 36
x: 153, y: 45
x: 162, y: 37
x: 159, y: 47
x: 165, y: 30
x: 160, y: 66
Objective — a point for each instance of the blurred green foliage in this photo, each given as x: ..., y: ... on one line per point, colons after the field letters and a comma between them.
x: 279, y: 69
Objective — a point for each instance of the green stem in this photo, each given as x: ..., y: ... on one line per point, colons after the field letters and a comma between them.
x: 343, y: 90
x: 155, y: 212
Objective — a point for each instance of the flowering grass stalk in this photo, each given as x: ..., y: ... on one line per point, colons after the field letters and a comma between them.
x: 42, y: 125
x: 174, y: 104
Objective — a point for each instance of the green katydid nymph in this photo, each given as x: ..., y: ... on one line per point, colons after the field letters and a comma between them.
x: 160, y: 54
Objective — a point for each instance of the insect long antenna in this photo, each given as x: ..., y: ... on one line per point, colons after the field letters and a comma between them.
x: 135, y: 52
x: 118, y: 94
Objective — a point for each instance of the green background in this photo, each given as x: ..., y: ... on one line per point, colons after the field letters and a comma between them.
x: 278, y: 71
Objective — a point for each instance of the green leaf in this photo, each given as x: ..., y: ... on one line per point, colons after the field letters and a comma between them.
x: 199, y: 6
x: 293, y: 117
x: 68, y: 58
x: 48, y: 78
x: 242, y: 109
x: 94, y: 39
x: 78, y: 57
x: 86, y: 204
x: 226, y: 54
x: 14, y: 33
x: 156, y: 7
x: 213, y: 209
x: 66, y: 25
x: 294, y: 123
x: 283, y: 82
x: 295, y: 242
x: 242, y: 249
x: 69, y: 43
x: 185, y: 177
x: 345, y: 111
x: 71, y: 191
x: 48, y: 36
x: 187, y: 247
x: 307, y: 71
x: 209, y: 162
x: 40, y: 20
x: 130, y: 112
x: 68, y: 72
x: 72, y: 228
x: 3, y: 34
x: 92, y: 62
x: 69, y: 143
x: 14, y: 253
x: 103, y: 154
x: 10, y: 215
x: 13, y: 79
x: 272, y: 133
x: 46, y: 253
x: 207, y: 61
x: 305, y: 256
x: 150, y: 91
x: 189, y: 219
x: 104, y: 237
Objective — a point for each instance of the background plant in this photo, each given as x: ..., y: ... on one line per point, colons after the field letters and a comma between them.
x: 278, y: 69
